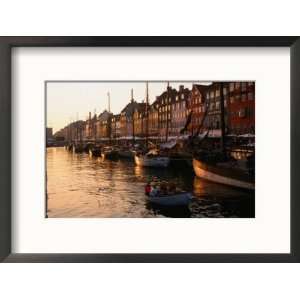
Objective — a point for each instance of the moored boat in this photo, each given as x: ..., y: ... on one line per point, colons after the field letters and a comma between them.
x: 126, y: 153
x: 95, y: 151
x: 78, y: 148
x: 88, y: 147
x: 151, y: 160
x: 69, y: 147
x: 180, y: 199
x: 217, y: 158
x: 109, y: 153
x: 224, y: 173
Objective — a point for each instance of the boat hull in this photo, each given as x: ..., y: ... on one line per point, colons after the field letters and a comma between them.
x: 172, y: 200
x: 203, y: 170
x: 109, y: 155
x: 126, y: 154
x: 155, y: 162
x: 95, y: 152
x: 78, y: 149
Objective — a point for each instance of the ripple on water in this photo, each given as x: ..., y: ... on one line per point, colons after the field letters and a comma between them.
x: 81, y: 186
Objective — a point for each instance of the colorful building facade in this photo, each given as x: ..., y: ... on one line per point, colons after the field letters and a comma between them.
x: 168, y: 114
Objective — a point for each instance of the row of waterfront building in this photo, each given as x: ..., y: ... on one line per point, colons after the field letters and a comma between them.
x: 171, y: 112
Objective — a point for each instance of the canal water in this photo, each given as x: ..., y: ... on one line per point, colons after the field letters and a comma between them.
x: 82, y: 186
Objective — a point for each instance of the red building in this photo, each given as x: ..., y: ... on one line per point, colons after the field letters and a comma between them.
x: 165, y: 101
x: 241, y: 107
x: 197, y: 106
x: 179, y: 111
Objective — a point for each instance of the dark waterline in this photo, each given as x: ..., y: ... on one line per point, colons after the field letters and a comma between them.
x: 82, y: 186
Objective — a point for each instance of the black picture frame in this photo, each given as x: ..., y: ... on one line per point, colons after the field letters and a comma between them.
x: 7, y: 43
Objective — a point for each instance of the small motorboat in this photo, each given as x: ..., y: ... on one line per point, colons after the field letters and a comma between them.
x: 126, y: 153
x: 180, y: 199
x: 95, y: 151
x: 78, y: 148
x: 87, y: 147
x: 70, y: 147
x: 151, y: 159
x: 109, y: 153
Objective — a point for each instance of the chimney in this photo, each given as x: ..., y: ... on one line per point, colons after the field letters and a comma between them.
x: 90, y: 115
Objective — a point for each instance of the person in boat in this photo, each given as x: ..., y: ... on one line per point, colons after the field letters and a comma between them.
x: 154, y: 192
x: 148, y: 189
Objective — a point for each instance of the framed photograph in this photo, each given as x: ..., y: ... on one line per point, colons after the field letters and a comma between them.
x: 149, y: 149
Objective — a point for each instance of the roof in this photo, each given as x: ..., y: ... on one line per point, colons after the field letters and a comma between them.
x: 116, y: 117
x: 201, y: 88
x: 104, y: 116
x: 171, y: 93
x: 141, y: 107
x: 129, y: 108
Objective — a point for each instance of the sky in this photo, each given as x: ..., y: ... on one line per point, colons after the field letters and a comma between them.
x: 69, y: 101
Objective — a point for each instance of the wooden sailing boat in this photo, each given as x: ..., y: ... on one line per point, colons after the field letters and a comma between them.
x: 127, y: 150
x: 217, y: 167
x: 109, y: 152
x: 151, y: 158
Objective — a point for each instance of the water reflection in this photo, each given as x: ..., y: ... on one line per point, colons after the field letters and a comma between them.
x: 84, y: 186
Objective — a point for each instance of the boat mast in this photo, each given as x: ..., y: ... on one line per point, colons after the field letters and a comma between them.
x: 132, y: 116
x: 167, y: 127
x: 95, y: 125
x: 109, y: 118
x: 147, y: 113
x: 223, y: 142
x: 69, y: 131
x: 108, y: 98
x: 77, y: 128
x: 115, y: 119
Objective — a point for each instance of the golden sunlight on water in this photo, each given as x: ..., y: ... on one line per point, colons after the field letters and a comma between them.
x: 82, y: 186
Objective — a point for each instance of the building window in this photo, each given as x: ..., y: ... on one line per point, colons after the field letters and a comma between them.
x: 231, y: 86
x: 244, y: 86
x: 250, y: 96
x: 244, y: 97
